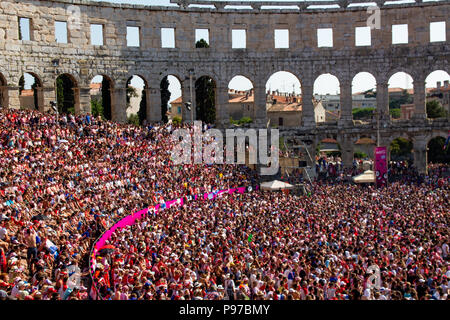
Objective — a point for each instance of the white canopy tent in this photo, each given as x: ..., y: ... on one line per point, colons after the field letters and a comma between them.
x: 276, y: 185
x: 365, y: 177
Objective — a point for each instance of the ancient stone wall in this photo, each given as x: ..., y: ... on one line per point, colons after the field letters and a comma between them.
x: 258, y: 61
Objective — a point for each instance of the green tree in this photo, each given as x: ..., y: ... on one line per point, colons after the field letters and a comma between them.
x: 435, y: 110
x: 133, y: 119
x: 371, y: 93
x: 362, y: 113
x: 436, y: 152
x: 142, y: 113
x: 395, y: 113
x: 396, y: 101
x: 176, y: 120
x: 165, y: 97
x: 131, y: 92
x: 205, y: 94
x: 201, y: 44
x: 401, y: 149
x: 65, y: 95
x: 97, y: 108
x: 106, y: 99
x: 359, y: 155
x: 21, y: 84
x: 35, y: 95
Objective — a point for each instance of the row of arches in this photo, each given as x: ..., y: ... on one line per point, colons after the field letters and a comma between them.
x: 399, y: 149
x: 282, y: 86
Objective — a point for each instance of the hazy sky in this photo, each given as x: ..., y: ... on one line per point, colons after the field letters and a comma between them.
x: 282, y: 81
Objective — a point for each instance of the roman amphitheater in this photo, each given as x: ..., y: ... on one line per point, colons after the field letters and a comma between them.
x: 45, y: 59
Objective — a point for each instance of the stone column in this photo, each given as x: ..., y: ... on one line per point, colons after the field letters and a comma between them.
x: 420, y: 154
x: 154, y: 104
x: 119, y: 105
x: 14, y: 97
x: 346, y: 151
x: 222, y: 112
x: 44, y: 96
x: 260, y: 111
x: 346, y: 117
x: 383, y: 101
x: 420, y: 111
x: 84, y: 100
x: 308, y: 118
x: 186, y: 97
x: 4, y: 101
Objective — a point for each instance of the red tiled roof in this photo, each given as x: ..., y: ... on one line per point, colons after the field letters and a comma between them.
x: 178, y: 100
x: 27, y: 93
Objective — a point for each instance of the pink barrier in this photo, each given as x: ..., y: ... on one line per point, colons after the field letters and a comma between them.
x: 131, y: 219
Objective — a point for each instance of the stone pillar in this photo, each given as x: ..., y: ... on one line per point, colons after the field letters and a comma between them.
x: 154, y: 105
x: 84, y: 100
x: 346, y: 151
x: 420, y: 111
x: 346, y: 117
x: 4, y: 103
x: 222, y: 112
x: 308, y: 116
x: 420, y: 154
x: 119, y: 105
x: 383, y: 100
x: 186, y: 97
x: 14, y: 97
x: 44, y: 96
x: 260, y: 111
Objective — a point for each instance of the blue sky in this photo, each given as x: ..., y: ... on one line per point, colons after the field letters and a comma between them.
x: 282, y: 81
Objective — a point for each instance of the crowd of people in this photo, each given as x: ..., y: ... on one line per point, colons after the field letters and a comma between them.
x: 64, y: 181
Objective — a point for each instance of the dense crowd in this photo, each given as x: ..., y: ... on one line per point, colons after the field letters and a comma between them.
x: 64, y: 181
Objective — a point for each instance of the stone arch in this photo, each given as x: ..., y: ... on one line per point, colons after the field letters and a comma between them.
x: 206, y: 106
x: 366, y: 100
x: 67, y: 94
x: 435, y: 148
x: 401, y: 156
x: 268, y: 74
x: 102, y: 97
x: 240, y: 98
x: 437, y: 88
x: 401, y: 103
x: 32, y: 98
x: 136, y: 97
x: 331, y: 101
x: 280, y: 95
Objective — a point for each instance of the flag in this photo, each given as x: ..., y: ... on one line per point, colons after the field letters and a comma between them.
x: 446, y: 141
x: 250, y: 237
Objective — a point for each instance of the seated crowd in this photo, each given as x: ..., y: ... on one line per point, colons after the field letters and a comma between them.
x: 64, y: 181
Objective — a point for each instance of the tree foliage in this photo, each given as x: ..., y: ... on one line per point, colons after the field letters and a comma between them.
x: 435, y: 110
x: 395, y: 113
x: 401, y: 149
x: 97, y: 108
x: 165, y: 97
x: 106, y: 99
x: 362, y: 113
x: 142, y: 113
x: 65, y: 96
x: 396, y: 101
x: 205, y: 94
x: 436, y: 152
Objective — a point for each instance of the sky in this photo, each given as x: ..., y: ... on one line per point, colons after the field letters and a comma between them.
x: 282, y: 81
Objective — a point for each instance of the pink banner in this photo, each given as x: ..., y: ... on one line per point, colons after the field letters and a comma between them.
x: 131, y: 219
x: 381, y: 174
